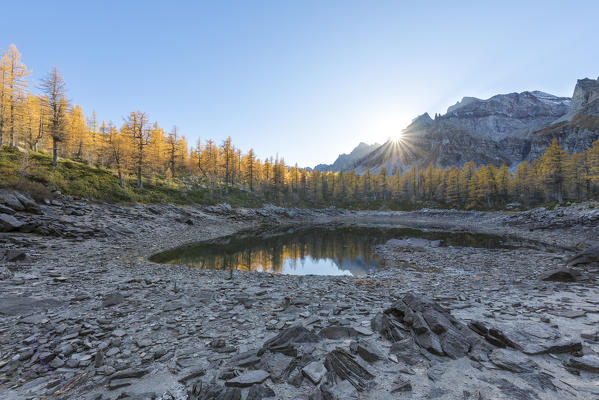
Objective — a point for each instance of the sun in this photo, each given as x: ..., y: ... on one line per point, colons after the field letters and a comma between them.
x: 399, y: 138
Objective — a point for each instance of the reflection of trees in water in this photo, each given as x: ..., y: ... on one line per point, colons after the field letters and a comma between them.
x: 344, y: 246
x: 273, y: 253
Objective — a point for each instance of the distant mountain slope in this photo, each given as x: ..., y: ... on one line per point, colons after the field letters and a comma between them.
x: 507, y: 114
x: 348, y: 161
x: 506, y: 128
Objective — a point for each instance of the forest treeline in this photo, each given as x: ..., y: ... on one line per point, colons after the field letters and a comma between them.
x: 37, y: 117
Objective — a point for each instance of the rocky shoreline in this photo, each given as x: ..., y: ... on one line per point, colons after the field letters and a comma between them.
x: 83, y: 314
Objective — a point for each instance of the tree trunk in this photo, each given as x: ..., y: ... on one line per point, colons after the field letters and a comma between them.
x: 140, y: 161
x: 54, y: 152
x: 120, y: 177
x: 559, y: 193
x: 139, y: 183
x: 12, y: 125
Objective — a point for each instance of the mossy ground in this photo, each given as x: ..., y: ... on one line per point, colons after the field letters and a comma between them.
x: 33, y: 172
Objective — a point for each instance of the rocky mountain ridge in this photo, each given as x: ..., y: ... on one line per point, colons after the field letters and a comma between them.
x: 346, y: 161
x: 506, y: 128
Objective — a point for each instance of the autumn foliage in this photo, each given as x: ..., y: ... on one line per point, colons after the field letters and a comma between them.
x: 139, y: 150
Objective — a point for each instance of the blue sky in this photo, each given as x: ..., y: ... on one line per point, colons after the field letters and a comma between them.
x: 303, y: 79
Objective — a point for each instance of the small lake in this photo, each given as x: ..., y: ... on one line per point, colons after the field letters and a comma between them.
x: 347, y: 250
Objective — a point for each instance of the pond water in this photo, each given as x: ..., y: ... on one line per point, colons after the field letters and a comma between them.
x: 345, y: 250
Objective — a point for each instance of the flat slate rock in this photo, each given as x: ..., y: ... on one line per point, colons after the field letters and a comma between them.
x: 192, y: 372
x: 343, y: 390
x: 338, y: 332
x: 248, y: 379
x: 17, y: 305
x: 112, y: 299
x: 511, y: 360
x: 314, y: 371
x: 530, y: 338
x: 587, y: 363
x: 259, y: 392
x: 560, y: 346
x: 129, y: 373
x: 287, y: 340
x: 401, y: 385
x: 585, y: 257
x: 245, y: 359
x: 278, y: 364
x: 368, y: 351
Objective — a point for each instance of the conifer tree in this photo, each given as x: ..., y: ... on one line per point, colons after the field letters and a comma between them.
x: 137, y: 128
x: 55, y: 89
x: 173, y: 150
x: 15, y: 80
x: 552, y: 164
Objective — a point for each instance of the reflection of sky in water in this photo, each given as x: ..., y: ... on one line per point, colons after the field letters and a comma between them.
x: 311, y: 266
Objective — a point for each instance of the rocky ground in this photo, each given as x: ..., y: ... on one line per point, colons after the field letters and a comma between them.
x: 84, y: 315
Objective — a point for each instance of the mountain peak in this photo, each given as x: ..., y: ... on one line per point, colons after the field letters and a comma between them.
x: 585, y: 99
x: 419, y: 122
x: 348, y: 161
x: 423, y: 118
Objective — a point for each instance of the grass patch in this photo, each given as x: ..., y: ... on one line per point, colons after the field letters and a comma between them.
x: 33, y: 173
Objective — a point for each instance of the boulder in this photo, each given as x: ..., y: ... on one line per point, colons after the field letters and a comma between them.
x: 431, y: 326
x: 28, y: 202
x: 560, y: 275
x: 8, y: 197
x: 341, y: 364
x: 9, y: 223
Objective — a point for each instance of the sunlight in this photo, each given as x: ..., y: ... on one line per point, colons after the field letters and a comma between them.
x: 387, y: 125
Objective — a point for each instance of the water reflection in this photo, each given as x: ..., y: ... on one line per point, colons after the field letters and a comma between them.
x: 319, y: 251
x: 316, y: 251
